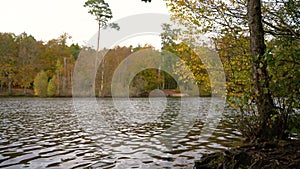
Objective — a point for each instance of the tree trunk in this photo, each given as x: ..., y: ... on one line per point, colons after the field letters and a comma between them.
x: 9, y: 87
x: 102, y: 78
x: 25, y: 90
x: 64, y: 78
x: 101, y: 63
x: 58, y: 83
x: 98, y: 38
x: 1, y: 86
x: 264, y: 102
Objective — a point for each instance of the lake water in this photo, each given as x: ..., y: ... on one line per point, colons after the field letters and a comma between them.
x: 107, y: 133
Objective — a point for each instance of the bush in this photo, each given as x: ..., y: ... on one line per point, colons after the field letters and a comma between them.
x: 41, y: 84
x: 52, y: 89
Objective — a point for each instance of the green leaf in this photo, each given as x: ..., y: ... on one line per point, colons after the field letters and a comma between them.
x: 266, y: 90
x: 261, y: 65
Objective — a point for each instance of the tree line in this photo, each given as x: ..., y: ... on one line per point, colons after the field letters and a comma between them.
x: 47, y: 67
x: 22, y: 57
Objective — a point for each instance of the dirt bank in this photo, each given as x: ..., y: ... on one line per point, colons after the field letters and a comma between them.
x: 281, y: 155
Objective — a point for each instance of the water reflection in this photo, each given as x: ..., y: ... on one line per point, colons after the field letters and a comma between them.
x: 42, y: 133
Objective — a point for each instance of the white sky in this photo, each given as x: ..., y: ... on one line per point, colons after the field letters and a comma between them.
x: 48, y: 19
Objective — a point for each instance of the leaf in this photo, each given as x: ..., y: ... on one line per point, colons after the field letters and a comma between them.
x: 261, y: 65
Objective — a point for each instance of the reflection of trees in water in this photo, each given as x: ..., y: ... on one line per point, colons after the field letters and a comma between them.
x: 224, y: 135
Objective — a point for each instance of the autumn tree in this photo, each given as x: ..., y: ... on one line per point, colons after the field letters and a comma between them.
x: 8, y: 60
x: 192, y: 69
x: 83, y: 77
x: 8, y: 71
x: 253, y: 19
x: 234, y: 55
x: 113, y: 57
x: 149, y: 79
x: 27, y: 60
x: 22, y: 57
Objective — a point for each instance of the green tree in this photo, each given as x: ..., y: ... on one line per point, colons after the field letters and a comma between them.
x: 284, y: 69
x: 100, y: 9
x: 74, y: 50
x: 41, y: 84
x: 52, y: 87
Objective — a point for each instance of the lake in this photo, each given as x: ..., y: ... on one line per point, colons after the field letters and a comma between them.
x: 111, y: 133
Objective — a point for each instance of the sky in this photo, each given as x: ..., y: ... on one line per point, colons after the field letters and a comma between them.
x: 48, y: 19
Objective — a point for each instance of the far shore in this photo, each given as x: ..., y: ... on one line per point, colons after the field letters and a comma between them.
x: 19, y: 92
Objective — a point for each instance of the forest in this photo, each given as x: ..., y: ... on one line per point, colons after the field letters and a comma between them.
x: 46, y: 68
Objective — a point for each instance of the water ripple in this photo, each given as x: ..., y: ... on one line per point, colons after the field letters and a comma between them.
x: 46, y: 133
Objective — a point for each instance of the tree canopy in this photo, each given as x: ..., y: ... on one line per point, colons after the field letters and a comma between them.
x: 262, y: 22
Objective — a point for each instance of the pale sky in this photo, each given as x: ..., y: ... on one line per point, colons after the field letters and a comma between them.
x: 48, y: 19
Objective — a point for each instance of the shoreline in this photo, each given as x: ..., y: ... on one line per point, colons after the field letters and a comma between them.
x: 268, y: 155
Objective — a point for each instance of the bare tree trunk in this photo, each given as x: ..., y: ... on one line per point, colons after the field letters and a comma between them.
x: 102, y: 78
x: 9, y: 85
x: 58, y: 85
x: 98, y: 40
x: 260, y: 77
x: 101, y: 63
x: 64, y: 78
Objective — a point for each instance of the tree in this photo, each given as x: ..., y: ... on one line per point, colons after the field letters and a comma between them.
x: 59, y: 73
x: 224, y: 16
x: 27, y: 61
x: 100, y: 9
x: 260, y: 76
x: 241, y: 17
x: 8, y: 60
x: 282, y: 18
x: 52, y: 86
x: 74, y: 50
x: 284, y: 70
x: 22, y: 57
x: 41, y: 84
x: 113, y: 57
x: 8, y: 71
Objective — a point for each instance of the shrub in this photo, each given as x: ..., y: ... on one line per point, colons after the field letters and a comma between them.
x: 41, y: 84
